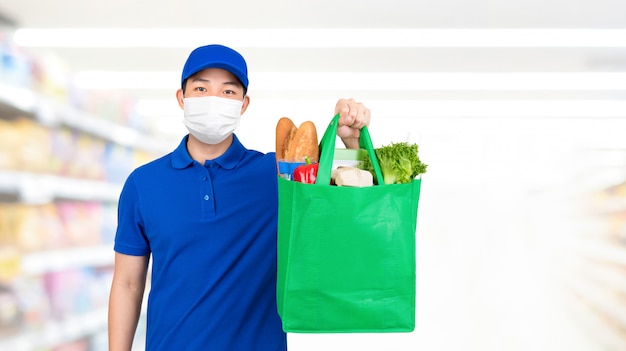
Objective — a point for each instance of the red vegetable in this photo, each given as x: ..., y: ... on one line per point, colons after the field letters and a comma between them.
x: 306, y: 173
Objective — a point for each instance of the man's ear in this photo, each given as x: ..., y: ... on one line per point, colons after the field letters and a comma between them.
x: 179, y: 98
x: 246, y: 102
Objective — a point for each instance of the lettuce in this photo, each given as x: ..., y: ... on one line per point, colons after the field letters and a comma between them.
x: 399, y: 163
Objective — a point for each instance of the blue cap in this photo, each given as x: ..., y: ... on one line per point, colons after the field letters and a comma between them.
x: 216, y: 56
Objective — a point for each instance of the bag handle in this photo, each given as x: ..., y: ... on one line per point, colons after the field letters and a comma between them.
x: 327, y: 152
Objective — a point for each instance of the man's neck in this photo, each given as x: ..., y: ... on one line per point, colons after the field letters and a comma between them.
x: 202, y: 152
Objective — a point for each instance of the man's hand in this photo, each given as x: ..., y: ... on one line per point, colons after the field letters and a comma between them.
x: 352, y: 117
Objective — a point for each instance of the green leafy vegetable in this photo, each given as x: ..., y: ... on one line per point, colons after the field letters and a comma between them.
x: 399, y: 163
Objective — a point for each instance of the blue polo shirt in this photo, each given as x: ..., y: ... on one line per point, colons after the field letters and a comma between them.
x: 211, y: 231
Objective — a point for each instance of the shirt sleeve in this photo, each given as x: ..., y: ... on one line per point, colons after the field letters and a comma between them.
x: 130, y: 238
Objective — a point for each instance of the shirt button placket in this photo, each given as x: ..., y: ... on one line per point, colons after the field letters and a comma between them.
x: 208, y: 207
x: 204, y: 180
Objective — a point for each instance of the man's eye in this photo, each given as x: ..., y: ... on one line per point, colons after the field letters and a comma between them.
x: 201, y: 89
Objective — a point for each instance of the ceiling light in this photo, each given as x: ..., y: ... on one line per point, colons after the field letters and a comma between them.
x: 319, y: 37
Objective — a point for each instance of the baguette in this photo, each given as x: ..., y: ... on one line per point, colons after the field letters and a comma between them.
x: 295, y: 144
x: 285, y: 130
x: 304, y: 144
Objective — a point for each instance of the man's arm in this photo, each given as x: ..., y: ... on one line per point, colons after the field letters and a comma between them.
x: 127, y: 289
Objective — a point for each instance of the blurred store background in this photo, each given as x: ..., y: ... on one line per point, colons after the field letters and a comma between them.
x: 519, y: 109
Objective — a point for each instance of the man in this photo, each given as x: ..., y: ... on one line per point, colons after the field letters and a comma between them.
x: 207, y: 214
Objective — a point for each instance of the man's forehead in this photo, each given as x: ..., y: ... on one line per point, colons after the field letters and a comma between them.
x: 211, y: 74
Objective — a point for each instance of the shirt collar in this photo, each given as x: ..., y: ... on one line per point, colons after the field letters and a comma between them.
x: 232, y: 156
x: 230, y: 159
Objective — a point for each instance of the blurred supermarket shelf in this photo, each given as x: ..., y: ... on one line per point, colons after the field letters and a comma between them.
x: 15, y: 101
x: 58, y: 260
x: 583, y: 308
x: 613, y: 205
x: 42, y: 188
x: 597, y: 250
x: 57, y: 333
x: 593, y: 273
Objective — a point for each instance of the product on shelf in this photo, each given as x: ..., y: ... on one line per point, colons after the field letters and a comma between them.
x: 52, y: 77
x: 9, y: 311
x: 31, y: 146
x: 141, y: 158
x: 109, y: 223
x: 118, y: 162
x: 9, y: 141
x: 52, y: 227
x: 16, y: 65
x: 76, y: 345
x: 82, y: 222
x: 10, y: 263
x: 55, y: 226
x: 22, y: 227
x: 63, y: 150
x: 87, y: 160
x: 108, y: 105
x: 32, y: 301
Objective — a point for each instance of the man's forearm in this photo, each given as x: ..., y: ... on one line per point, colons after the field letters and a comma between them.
x: 124, y: 311
x: 351, y: 143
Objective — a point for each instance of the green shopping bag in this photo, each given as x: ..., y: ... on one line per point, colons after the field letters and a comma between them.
x: 346, y: 255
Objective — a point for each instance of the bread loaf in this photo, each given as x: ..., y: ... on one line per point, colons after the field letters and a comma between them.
x: 295, y: 144
x: 285, y: 130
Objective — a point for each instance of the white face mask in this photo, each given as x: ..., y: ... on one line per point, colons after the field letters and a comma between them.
x: 212, y: 119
